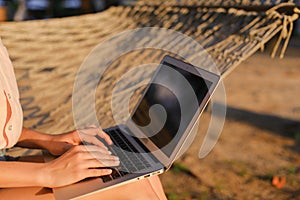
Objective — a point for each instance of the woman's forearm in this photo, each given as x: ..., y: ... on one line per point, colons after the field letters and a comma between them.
x: 76, y: 164
x: 33, y: 139
x: 55, y: 144
x: 22, y: 174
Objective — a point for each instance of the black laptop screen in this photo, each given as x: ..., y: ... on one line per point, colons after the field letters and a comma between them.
x: 168, y: 106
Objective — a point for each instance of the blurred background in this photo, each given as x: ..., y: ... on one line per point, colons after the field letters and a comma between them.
x: 19, y: 10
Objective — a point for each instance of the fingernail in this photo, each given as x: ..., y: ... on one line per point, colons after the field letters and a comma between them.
x: 116, y: 158
x: 109, y: 171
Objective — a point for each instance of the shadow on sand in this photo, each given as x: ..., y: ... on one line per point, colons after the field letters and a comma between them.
x: 281, y: 126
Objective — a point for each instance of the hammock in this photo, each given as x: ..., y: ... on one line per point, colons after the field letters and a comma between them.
x: 47, y: 54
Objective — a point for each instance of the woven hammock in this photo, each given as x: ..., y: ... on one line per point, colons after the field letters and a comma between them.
x: 220, y: 3
x: 47, y: 54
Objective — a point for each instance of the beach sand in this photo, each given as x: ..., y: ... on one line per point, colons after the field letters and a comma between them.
x: 260, y: 139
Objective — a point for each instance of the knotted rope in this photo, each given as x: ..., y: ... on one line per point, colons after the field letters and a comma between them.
x: 287, y: 26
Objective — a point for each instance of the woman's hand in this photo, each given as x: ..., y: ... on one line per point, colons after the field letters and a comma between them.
x: 78, y: 163
x: 62, y: 142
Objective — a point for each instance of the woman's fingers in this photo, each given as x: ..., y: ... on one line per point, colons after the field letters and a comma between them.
x: 92, y: 156
x: 94, y: 131
x: 100, y: 163
x: 98, y: 172
x: 95, y: 148
x: 80, y: 162
x: 105, y: 136
x: 92, y: 140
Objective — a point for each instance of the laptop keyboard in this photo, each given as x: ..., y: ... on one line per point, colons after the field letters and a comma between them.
x: 130, y: 160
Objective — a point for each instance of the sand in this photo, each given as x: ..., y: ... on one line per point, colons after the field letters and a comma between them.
x: 260, y: 138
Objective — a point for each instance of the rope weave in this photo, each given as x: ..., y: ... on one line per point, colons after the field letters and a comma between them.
x: 215, y: 3
x: 287, y: 26
x: 47, y: 54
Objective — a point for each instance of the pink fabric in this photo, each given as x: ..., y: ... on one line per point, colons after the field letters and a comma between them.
x: 11, y: 115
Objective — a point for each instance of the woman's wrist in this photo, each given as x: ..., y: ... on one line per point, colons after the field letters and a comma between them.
x: 24, y: 174
x: 44, y: 176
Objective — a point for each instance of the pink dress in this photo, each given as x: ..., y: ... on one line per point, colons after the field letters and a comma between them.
x: 11, y: 115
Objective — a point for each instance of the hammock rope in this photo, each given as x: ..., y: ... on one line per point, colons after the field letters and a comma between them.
x: 46, y: 54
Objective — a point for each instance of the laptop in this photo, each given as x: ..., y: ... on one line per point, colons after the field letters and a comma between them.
x: 151, y: 139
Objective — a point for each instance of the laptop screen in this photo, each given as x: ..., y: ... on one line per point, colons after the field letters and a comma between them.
x: 169, y: 104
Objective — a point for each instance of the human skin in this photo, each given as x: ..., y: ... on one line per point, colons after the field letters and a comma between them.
x: 76, y: 161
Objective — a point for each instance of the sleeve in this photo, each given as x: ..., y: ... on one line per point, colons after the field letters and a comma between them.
x: 11, y: 115
x: 3, y: 114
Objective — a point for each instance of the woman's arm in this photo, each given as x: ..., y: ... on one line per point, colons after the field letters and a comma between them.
x: 78, y: 163
x: 35, y: 140
x: 60, y: 143
x: 21, y: 174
